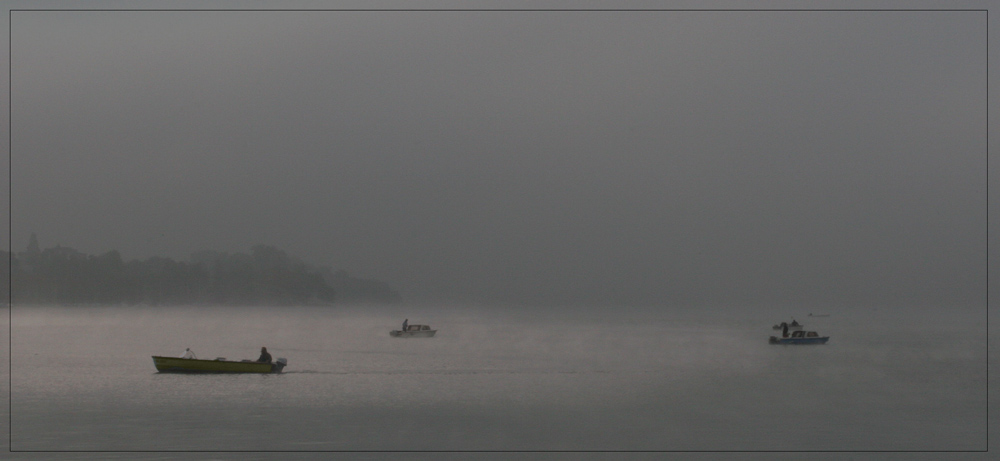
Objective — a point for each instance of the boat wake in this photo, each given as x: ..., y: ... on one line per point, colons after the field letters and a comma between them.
x: 468, y: 372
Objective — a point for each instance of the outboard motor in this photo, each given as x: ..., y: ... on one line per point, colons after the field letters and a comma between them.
x: 281, y: 363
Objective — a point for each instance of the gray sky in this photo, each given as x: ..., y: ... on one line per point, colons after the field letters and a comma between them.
x: 668, y: 158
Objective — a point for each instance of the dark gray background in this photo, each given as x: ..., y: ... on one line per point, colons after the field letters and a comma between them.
x: 545, y: 158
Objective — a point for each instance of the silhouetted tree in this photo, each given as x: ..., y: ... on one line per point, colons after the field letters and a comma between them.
x: 62, y: 275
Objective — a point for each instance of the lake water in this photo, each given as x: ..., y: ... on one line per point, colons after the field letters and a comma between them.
x: 82, y: 381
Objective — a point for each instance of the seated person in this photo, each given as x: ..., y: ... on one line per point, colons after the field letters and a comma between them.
x: 264, y: 356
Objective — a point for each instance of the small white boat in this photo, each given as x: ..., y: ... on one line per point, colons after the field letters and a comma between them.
x: 799, y: 338
x: 413, y: 331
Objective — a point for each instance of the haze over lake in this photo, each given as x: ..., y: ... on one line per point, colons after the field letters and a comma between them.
x: 496, y: 379
x: 520, y: 157
x: 603, y: 213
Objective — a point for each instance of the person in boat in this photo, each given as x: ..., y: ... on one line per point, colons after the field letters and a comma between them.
x: 405, y: 323
x: 784, y: 330
x: 188, y: 354
x: 264, y: 356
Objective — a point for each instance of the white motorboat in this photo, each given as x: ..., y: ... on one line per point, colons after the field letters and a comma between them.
x: 413, y: 331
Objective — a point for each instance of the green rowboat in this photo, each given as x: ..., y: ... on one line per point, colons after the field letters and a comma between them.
x: 179, y: 365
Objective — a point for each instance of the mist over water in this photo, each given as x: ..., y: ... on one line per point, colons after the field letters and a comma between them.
x: 734, y: 160
x: 498, y: 379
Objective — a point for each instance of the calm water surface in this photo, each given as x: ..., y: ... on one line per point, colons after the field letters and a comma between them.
x: 494, y: 379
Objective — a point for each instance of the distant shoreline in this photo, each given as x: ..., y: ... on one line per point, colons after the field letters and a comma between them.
x: 266, y: 276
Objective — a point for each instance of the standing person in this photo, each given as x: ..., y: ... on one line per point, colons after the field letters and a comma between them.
x: 188, y: 354
x: 404, y: 324
x: 264, y: 356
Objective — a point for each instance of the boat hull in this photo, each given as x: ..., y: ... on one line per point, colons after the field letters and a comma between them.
x: 798, y: 341
x: 412, y: 334
x: 179, y: 365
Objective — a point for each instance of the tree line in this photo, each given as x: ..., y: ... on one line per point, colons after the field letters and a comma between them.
x: 265, y: 276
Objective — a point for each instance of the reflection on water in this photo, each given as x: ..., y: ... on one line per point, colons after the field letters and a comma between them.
x: 506, y: 379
